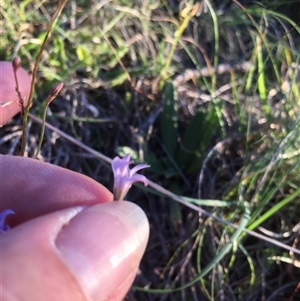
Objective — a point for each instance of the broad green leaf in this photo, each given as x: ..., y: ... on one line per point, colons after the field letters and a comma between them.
x: 195, y: 140
x: 169, y: 120
x: 210, y: 126
x: 191, y: 140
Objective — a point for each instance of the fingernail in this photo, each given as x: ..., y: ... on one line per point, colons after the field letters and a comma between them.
x: 103, y: 245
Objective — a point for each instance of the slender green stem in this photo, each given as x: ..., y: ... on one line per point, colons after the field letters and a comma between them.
x: 52, y: 95
x: 42, y: 132
x: 57, y: 12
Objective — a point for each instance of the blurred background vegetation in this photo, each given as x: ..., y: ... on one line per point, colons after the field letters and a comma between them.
x: 206, y: 92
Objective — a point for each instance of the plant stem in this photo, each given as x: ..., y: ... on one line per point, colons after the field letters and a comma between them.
x: 57, y: 12
x: 42, y: 132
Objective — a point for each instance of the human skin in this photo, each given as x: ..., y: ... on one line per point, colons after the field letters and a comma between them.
x: 69, y: 239
x: 8, y: 97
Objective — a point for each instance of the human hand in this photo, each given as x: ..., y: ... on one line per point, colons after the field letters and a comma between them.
x: 68, y: 241
x: 8, y: 97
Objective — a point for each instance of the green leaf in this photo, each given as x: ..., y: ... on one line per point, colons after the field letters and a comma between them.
x: 169, y: 120
x: 261, y: 81
x: 175, y: 207
x: 120, y: 53
x: 122, y: 151
x: 155, y: 164
x: 210, y: 126
x: 84, y: 55
x: 196, y: 138
x: 209, y: 202
x: 191, y: 140
x: 60, y: 51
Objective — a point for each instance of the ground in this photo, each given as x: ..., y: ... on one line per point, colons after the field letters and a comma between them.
x: 207, y: 93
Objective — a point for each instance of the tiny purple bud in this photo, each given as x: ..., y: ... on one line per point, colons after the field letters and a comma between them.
x: 124, y: 177
x: 16, y: 63
x: 4, y: 227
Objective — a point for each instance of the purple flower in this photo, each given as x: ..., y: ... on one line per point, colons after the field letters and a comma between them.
x: 124, y: 177
x: 3, y: 215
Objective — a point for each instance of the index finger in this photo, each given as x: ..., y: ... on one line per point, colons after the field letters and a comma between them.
x: 32, y: 188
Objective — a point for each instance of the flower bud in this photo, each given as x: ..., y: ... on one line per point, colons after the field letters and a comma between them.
x: 16, y: 63
x: 54, y: 92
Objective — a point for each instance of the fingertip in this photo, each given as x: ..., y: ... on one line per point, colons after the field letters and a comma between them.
x: 105, y: 253
x: 83, y: 253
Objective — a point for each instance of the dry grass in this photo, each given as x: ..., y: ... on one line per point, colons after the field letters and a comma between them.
x: 110, y: 55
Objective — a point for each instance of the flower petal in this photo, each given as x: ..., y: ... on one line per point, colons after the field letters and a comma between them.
x: 3, y: 215
x: 137, y: 168
x: 124, y: 177
x: 140, y: 178
x: 121, y: 166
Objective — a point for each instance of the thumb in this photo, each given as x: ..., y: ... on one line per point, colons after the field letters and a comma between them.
x: 74, y: 254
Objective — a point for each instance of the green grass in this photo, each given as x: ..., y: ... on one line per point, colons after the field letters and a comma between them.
x: 163, y: 82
